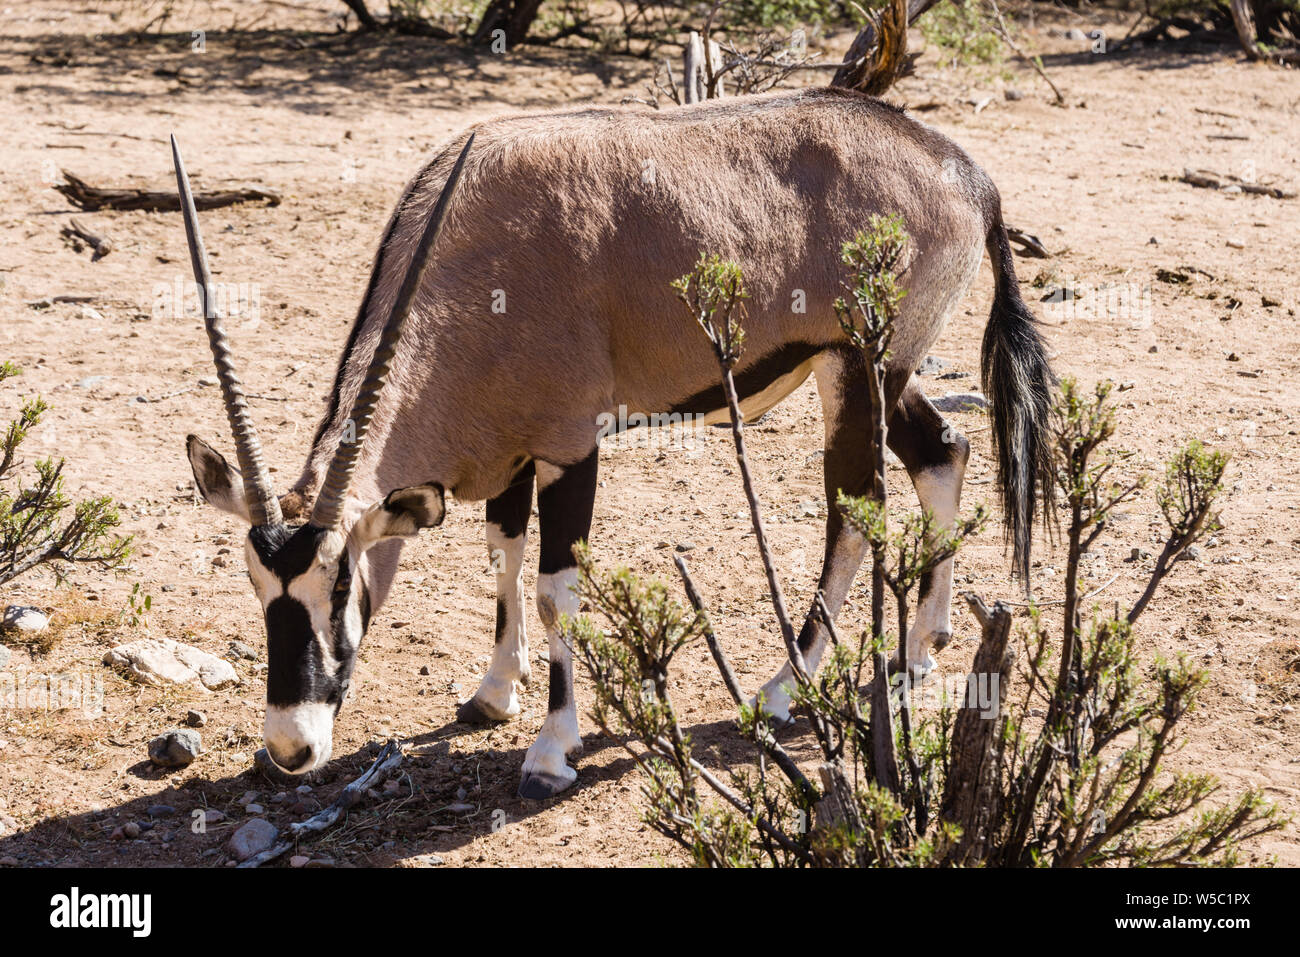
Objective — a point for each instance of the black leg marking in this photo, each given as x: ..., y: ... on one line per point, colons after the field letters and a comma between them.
x: 564, y: 511
x: 510, y: 510
x: 501, y: 621
x: 559, y: 687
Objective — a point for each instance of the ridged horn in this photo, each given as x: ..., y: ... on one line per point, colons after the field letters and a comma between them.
x: 328, y: 511
x: 263, y: 506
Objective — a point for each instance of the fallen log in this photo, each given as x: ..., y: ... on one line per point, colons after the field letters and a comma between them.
x: 91, y: 198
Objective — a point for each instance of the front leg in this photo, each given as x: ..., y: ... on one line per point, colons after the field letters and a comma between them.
x: 565, y: 499
x: 497, y: 698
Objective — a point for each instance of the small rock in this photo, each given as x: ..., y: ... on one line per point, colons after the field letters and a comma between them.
x: 162, y: 661
x: 460, y: 807
x: 175, y: 748
x: 241, y: 650
x: 303, y: 789
x: 299, y: 860
x: 131, y: 830
x: 196, y: 719
x: 247, y: 798
x: 1191, y: 554
x: 931, y: 365
x: 686, y: 546
x: 424, y: 670
x: 24, y: 618
x: 253, y: 838
x: 1011, y: 93
x: 255, y: 809
x: 212, y: 816
x: 960, y: 401
x: 1235, y: 243
x: 160, y: 810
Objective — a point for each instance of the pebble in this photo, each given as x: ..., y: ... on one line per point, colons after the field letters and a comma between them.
x: 131, y: 829
x: 931, y: 365
x: 212, y: 816
x: 253, y: 838
x: 175, y: 748
x: 299, y: 860
x: 196, y: 719
x: 248, y: 798
x: 424, y: 670
x: 160, y: 810
x: 241, y: 650
x: 255, y: 809
x: 460, y: 807
x: 960, y: 401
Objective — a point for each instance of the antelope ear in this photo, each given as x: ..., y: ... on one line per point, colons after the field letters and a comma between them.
x: 401, y: 514
x: 218, y: 481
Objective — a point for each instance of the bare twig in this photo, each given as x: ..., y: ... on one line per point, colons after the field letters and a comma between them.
x: 383, y: 766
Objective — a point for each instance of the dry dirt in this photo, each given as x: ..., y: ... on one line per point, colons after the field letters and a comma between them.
x: 337, y: 129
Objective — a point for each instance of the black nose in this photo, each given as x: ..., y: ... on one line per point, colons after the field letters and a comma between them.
x: 293, y: 762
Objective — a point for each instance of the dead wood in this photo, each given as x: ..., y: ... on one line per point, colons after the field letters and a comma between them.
x: 91, y: 198
x: 971, y: 789
x: 78, y: 234
x: 384, y: 765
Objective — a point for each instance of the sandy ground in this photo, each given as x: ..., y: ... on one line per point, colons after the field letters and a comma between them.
x: 337, y: 128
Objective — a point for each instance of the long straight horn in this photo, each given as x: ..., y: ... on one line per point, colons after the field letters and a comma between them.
x: 328, y: 511
x: 263, y: 506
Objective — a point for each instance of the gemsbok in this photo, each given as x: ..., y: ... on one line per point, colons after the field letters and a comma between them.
x: 572, y: 224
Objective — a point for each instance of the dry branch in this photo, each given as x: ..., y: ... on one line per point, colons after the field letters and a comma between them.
x: 1209, y: 179
x: 78, y: 233
x: 90, y: 198
x: 378, y: 772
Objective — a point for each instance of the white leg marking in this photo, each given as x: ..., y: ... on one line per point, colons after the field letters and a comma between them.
x: 498, y: 694
x: 846, y: 559
x: 939, y: 490
x: 545, y: 771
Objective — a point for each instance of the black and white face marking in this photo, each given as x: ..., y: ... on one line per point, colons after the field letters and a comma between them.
x: 317, y: 609
x: 312, y: 584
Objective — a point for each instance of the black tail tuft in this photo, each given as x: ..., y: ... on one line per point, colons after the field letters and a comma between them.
x: 1018, y: 383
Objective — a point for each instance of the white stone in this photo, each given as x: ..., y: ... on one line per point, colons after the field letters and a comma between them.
x: 162, y: 661
x: 23, y: 618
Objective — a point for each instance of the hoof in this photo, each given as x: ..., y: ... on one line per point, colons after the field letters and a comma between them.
x: 471, y: 712
x: 779, y: 718
x: 539, y: 786
x: 918, y: 669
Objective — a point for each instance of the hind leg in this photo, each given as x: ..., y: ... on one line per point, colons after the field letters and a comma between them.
x: 497, y: 698
x: 842, y: 384
x: 565, y: 499
x: 935, y: 455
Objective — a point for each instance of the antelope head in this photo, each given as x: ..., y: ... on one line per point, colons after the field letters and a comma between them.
x: 309, y: 578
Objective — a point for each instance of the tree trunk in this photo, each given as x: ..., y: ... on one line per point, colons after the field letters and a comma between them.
x: 971, y: 790
x: 514, y: 17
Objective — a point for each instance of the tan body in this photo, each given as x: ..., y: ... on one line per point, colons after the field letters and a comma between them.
x: 582, y: 219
